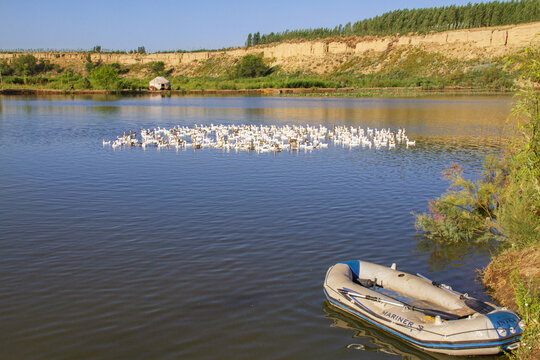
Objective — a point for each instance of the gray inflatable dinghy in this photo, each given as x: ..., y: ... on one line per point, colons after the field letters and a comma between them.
x: 428, y: 315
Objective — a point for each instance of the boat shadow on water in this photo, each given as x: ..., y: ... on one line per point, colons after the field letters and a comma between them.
x: 369, y: 338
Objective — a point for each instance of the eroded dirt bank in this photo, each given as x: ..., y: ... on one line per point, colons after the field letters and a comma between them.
x: 325, y: 55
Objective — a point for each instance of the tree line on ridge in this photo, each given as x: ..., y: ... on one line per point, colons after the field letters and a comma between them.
x: 418, y: 21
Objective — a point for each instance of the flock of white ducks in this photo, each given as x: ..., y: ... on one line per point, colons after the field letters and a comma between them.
x: 262, y: 138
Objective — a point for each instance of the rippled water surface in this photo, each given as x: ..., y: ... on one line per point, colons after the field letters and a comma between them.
x: 204, y: 254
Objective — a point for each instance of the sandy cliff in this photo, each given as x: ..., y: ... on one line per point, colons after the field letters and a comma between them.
x: 325, y: 55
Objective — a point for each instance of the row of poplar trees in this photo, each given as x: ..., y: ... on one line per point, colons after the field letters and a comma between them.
x: 419, y: 21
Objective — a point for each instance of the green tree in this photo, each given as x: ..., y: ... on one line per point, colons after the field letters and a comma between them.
x: 249, y: 41
x: 24, y: 65
x: 250, y: 66
x: 141, y: 50
x: 43, y: 66
x: 256, y: 38
x: 105, y: 77
x: 347, y: 30
x: 97, y: 48
x: 5, y: 69
x: 89, y: 65
x: 157, y: 68
x: 421, y: 20
x: 496, y: 15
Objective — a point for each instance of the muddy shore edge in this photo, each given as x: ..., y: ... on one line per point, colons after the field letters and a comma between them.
x: 265, y: 92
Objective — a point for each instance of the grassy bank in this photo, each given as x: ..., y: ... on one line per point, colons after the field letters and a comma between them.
x: 479, y: 80
x: 502, y: 210
x: 400, y: 68
x: 512, y: 278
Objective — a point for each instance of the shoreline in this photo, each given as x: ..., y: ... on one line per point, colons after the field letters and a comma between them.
x: 359, y: 92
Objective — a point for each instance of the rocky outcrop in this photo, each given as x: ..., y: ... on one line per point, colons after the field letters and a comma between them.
x: 321, y: 55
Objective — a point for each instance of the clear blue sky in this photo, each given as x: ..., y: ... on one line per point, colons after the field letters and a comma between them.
x: 173, y: 25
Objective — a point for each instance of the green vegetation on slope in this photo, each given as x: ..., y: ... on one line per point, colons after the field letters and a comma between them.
x: 418, y: 21
x: 401, y: 67
x: 416, y: 67
x: 250, y: 66
x: 504, y: 206
x: 26, y: 66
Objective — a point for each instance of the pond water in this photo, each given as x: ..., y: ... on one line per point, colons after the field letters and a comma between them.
x: 131, y: 253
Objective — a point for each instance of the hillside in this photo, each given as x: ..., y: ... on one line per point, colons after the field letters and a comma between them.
x: 326, y: 55
x: 342, y: 60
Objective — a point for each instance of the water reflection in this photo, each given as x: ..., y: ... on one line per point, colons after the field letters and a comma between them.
x: 27, y: 109
x: 98, y: 97
x: 478, y: 116
x: 440, y: 255
x: 367, y: 337
x: 106, y: 109
x: 159, y: 96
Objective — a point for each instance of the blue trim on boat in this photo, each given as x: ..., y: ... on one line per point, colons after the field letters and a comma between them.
x: 504, y: 320
x: 502, y: 344
x: 355, y: 267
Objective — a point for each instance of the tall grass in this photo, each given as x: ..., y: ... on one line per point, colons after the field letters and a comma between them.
x: 528, y: 302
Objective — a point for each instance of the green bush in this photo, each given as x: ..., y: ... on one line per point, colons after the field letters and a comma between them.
x: 227, y: 86
x: 506, y: 203
x: 37, y: 80
x: 121, y: 68
x: 309, y: 83
x: 5, y: 69
x: 105, y: 77
x: 526, y: 64
x: 24, y: 65
x: 83, y: 83
x: 134, y: 84
x: 465, y: 212
x: 28, y: 65
x: 157, y: 68
x: 494, y: 77
x: 250, y: 66
x: 14, y: 80
x: 69, y: 76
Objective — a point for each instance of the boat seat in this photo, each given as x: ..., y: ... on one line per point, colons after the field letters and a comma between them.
x: 423, y: 304
x: 415, y: 302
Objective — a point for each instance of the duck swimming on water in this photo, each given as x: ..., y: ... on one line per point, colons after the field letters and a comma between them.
x: 264, y: 138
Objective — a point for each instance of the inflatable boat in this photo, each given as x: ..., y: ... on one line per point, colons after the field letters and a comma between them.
x: 428, y: 315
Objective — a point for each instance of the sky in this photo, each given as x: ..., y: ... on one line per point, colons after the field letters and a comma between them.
x: 173, y: 25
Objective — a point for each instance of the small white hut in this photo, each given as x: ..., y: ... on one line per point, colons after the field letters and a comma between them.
x: 160, y: 83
